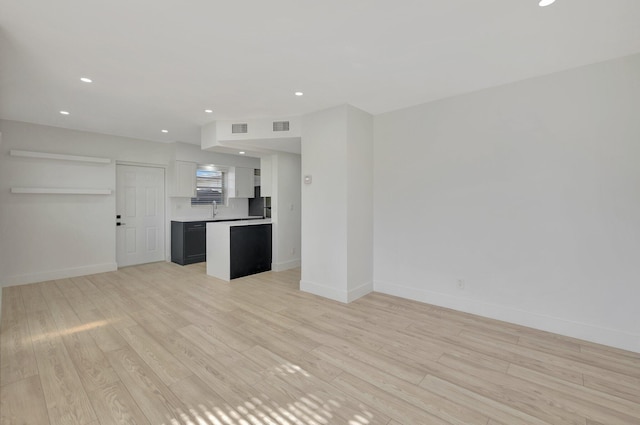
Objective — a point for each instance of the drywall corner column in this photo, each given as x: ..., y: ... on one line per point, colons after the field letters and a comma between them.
x: 359, y: 202
x: 286, y: 210
x: 324, y: 204
x: 336, y: 246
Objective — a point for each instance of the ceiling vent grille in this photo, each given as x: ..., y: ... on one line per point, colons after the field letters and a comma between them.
x: 240, y: 128
x: 281, y: 126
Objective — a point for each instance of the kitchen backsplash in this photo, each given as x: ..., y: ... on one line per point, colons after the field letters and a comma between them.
x: 181, y: 207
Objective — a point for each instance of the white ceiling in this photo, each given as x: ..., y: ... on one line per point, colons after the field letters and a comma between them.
x: 159, y: 63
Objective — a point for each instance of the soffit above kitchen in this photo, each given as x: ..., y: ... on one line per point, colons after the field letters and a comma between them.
x: 158, y: 65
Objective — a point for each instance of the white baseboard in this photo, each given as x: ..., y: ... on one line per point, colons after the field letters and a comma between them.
x: 584, y: 331
x: 360, y: 291
x: 336, y: 294
x: 323, y: 291
x: 286, y: 265
x: 58, y: 274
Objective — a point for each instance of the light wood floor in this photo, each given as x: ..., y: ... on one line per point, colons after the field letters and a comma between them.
x: 164, y: 344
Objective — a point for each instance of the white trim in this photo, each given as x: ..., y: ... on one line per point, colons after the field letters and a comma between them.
x: 278, y: 267
x: 60, y: 191
x: 58, y: 274
x: 336, y: 294
x: 323, y: 291
x: 141, y: 164
x: 360, y: 291
x: 585, y: 331
x: 58, y: 156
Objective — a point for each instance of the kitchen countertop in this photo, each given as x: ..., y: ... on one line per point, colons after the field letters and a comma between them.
x: 210, y: 220
x: 235, y: 223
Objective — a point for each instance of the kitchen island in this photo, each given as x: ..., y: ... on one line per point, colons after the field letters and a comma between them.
x: 188, y: 238
x: 238, y: 248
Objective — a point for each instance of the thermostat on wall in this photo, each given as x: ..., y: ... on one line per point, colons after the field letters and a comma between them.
x: 307, y: 179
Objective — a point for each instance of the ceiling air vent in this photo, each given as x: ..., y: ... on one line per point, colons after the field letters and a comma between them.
x: 281, y: 126
x: 240, y: 128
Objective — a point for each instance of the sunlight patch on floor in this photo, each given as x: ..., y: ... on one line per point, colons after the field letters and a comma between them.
x: 70, y: 331
x: 309, y: 410
x: 290, y: 368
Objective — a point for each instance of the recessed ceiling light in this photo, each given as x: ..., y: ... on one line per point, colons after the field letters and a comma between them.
x: 242, y: 152
x: 165, y: 131
x: 298, y: 93
x: 86, y: 80
x: 209, y: 111
x: 544, y: 3
x: 64, y: 112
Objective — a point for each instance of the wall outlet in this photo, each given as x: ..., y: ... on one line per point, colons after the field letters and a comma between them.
x: 460, y: 283
x: 292, y: 251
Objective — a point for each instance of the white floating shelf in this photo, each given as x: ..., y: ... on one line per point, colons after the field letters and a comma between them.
x: 60, y: 191
x: 45, y: 155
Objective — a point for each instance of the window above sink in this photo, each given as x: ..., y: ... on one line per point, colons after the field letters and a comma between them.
x: 210, y: 184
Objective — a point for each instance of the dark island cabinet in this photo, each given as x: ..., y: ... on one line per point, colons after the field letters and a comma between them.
x: 250, y: 250
x: 188, y: 242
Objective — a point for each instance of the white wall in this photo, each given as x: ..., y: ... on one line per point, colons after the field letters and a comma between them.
x: 337, y: 206
x: 324, y: 203
x: 54, y: 236
x: 286, y: 204
x: 528, y: 192
x: 359, y: 202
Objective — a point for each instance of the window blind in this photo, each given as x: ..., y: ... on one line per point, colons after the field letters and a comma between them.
x: 209, y: 187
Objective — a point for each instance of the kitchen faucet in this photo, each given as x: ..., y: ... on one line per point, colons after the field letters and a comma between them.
x: 214, y: 209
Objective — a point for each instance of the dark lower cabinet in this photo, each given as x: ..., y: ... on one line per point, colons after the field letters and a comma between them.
x: 250, y: 250
x: 188, y: 242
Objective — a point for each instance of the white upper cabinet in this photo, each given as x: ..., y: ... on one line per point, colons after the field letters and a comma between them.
x: 240, y: 183
x: 184, y: 179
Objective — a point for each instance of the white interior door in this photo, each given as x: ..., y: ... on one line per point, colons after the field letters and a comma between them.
x: 140, y: 206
